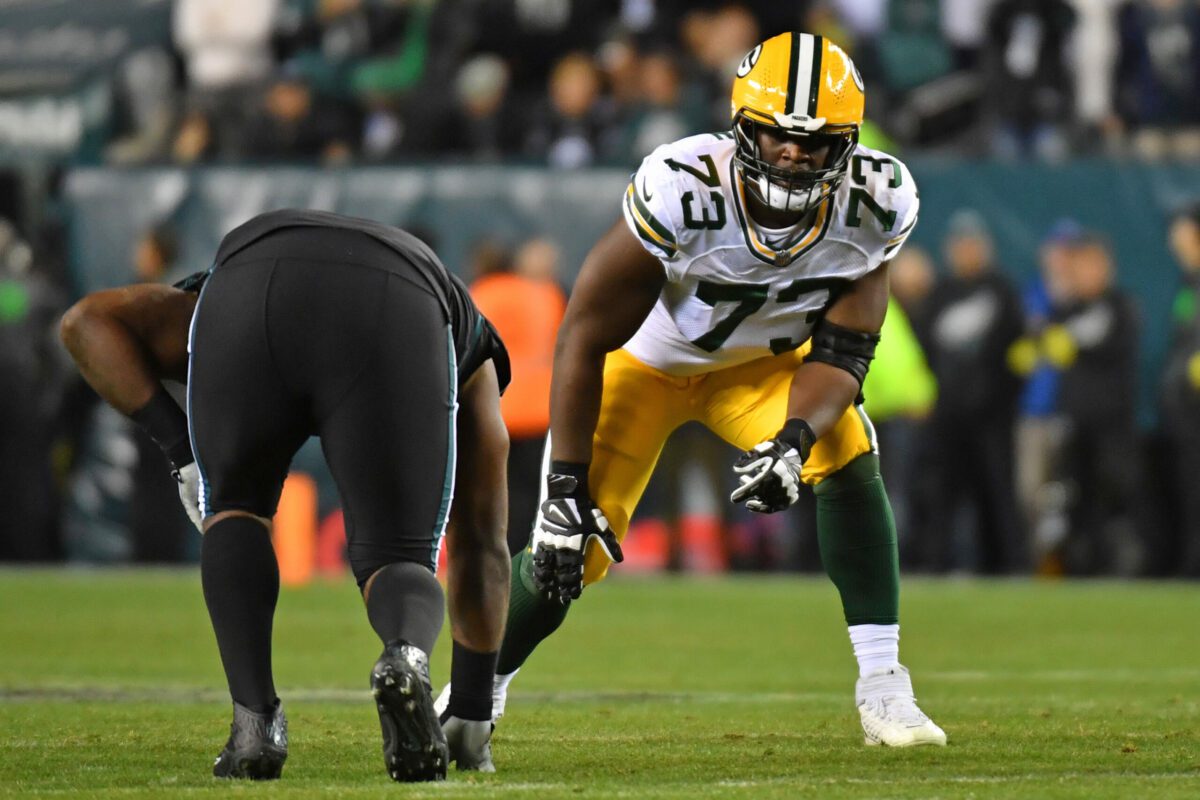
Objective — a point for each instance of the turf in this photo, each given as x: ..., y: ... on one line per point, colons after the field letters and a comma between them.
x: 110, y: 686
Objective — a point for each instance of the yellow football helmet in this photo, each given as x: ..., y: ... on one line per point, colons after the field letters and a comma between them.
x: 799, y: 85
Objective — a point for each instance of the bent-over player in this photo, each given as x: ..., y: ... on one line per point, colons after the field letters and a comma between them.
x: 312, y: 323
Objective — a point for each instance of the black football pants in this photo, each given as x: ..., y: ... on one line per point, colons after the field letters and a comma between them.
x: 314, y: 331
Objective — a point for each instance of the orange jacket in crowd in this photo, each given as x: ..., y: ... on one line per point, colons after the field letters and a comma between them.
x: 527, y: 314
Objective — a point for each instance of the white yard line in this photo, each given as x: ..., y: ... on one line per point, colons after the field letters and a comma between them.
x: 150, y: 692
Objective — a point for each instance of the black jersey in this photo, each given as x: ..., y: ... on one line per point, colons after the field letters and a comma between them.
x: 475, y: 338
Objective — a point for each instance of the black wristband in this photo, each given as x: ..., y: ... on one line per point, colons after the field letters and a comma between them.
x: 799, y: 435
x: 574, y: 469
x: 167, y: 425
x: 471, y: 677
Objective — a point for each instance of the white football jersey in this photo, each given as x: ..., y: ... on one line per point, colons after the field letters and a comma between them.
x: 730, y: 295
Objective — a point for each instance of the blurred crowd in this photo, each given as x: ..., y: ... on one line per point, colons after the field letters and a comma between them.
x: 1005, y: 412
x: 1035, y: 455
x: 1005, y: 415
x: 575, y: 83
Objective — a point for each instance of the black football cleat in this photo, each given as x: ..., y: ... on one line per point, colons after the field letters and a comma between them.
x: 414, y: 747
x: 257, y: 745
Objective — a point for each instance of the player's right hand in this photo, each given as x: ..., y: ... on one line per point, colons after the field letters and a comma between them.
x: 568, y: 521
x: 188, y: 478
x: 769, y: 473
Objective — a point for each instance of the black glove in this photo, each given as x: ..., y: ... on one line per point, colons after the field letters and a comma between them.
x: 769, y: 475
x: 567, y: 522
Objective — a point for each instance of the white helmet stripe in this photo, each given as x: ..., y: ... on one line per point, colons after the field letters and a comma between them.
x: 801, y: 72
x: 815, y: 74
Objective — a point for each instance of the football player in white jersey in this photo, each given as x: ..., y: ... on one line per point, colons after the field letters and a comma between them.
x: 745, y: 288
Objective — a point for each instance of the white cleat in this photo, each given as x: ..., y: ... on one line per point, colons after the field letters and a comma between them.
x: 470, y: 743
x: 889, y: 711
x: 499, y: 696
x: 442, y: 701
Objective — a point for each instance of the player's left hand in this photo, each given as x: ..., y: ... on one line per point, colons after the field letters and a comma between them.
x: 188, y: 478
x: 769, y: 474
x: 568, y: 521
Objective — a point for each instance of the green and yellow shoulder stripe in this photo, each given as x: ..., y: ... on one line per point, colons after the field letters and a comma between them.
x: 648, y: 227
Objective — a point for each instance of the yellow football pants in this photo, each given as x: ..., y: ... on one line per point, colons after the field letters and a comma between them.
x: 744, y: 405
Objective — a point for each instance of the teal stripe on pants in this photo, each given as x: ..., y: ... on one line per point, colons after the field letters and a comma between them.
x: 439, y: 527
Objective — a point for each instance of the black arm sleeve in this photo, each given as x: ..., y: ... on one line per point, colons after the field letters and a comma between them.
x: 843, y: 348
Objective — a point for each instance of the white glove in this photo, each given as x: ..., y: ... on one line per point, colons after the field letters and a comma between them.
x: 188, y: 478
x: 768, y: 477
x: 769, y: 474
x: 568, y: 521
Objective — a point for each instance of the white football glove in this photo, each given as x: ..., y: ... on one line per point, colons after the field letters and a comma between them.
x: 188, y: 478
x: 769, y: 474
x: 568, y: 521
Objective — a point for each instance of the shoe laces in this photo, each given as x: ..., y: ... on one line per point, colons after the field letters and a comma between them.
x: 902, y: 709
x: 890, y: 696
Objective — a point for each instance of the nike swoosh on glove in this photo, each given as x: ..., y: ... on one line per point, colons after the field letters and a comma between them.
x: 567, y: 523
x: 769, y: 474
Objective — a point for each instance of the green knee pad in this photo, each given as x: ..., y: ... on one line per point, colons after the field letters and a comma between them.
x: 857, y: 534
x: 531, y: 616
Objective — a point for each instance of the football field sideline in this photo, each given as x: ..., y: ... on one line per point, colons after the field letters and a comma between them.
x: 110, y: 686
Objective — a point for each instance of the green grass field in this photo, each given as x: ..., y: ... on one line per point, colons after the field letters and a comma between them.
x: 110, y: 686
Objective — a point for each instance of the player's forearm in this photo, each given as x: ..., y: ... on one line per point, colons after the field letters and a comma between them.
x: 477, y: 585
x: 575, y: 394
x: 477, y: 582
x: 594, y: 326
x: 109, y: 356
x: 843, y: 344
x: 820, y: 395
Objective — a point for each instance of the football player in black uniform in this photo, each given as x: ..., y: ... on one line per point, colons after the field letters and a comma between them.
x: 316, y: 324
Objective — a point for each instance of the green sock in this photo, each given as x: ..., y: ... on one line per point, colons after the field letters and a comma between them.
x: 531, y: 616
x: 857, y: 535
